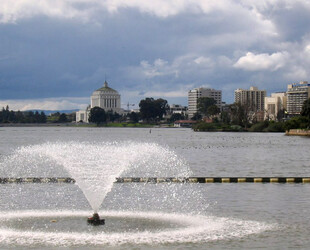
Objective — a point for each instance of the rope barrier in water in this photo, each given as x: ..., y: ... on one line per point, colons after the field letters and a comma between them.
x: 37, y: 180
x: 219, y: 180
x: 167, y: 180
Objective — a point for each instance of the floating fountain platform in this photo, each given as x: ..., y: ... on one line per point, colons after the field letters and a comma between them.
x: 95, y: 220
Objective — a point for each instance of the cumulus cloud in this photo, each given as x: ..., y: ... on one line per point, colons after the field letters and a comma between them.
x: 157, y: 92
x: 159, y: 47
x: 253, y: 62
x: 179, y: 66
x: 160, y: 67
x: 11, y: 11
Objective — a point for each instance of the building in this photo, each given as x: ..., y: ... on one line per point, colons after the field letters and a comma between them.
x: 253, y: 98
x: 297, y: 94
x: 106, y: 98
x: 177, y: 109
x: 196, y: 93
x: 184, y: 123
x: 274, y: 104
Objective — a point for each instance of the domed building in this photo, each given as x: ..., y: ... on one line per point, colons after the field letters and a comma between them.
x: 106, y: 98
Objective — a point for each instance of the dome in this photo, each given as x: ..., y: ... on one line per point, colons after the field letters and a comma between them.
x: 106, y: 88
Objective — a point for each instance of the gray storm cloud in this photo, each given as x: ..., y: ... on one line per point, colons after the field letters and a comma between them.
x: 66, y: 49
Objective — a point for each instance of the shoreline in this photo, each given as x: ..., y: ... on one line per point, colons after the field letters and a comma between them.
x: 83, y: 125
x: 298, y: 132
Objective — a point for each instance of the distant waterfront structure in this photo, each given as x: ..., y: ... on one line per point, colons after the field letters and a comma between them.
x: 177, y: 109
x: 196, y: 93
x: 253, y: 98
x: 297, y: 94
x: 106, y: 98
x: 274, y: 104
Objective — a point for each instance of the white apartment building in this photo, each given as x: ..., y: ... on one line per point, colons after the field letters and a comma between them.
x: 297, y: 94
x: 253, y: 98
x: 105, y: 98
x: 273, y: 104
x: 196, y: 93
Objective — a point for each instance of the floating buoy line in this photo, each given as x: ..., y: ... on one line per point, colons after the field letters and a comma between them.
x: 166, y: 180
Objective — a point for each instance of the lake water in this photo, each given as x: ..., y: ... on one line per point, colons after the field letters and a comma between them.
x: 166, y: 216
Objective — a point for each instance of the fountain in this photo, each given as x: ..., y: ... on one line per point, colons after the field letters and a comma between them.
x: 135, y: 213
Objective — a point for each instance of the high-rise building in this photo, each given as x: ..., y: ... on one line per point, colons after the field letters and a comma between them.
x: 196, y: 93
x: 253, y: 98
x: 274, y: 104
x: 297, y: 94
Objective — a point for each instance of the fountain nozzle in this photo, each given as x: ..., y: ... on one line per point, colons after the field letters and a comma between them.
x: 95, y: 220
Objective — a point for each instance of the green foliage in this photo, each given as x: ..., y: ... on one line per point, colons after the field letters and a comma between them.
x: 176, y: 116
x: 212, y: 127
x: 151, y: 109
x: 225, y: 117
x: 297, y: 122
x: 240, y: 114
x: 133, y: 117
x: 196, y: 117
x: 62, y: 118
x: 213, y: 110
x: 236, y: 128
x: 267, y: 126
x: 111, y: 117
x: 259, y: 127
x: 203, y: 103
x: 97, y: 115
x: 281, y: 115
x: 306, y: 109
x: 7, y: 116
x: 203, y: 126
x: 275, y: 127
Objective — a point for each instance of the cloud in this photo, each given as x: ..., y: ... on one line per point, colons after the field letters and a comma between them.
x: 57, y: 48
x: 65, y: 103
x: 160, y: 67
x: 252, y: 62
x: 12, y: 11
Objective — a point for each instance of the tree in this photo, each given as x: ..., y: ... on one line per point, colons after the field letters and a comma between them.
x: 240, y: 114
x: 203, y: 103
x: 29, y: 117
x: 225, y: 117
x: 20, y: 117
x: 305, y: 111
x: 297, y: 122
x: 62, y: 118
x: 133, y: 117
x: 97, y: 115
x: 42, y: 118
x: 281, y: 115
x: 112, y: 116
x: 176, y: 116
x: 196, y: 117
x: 213, y: 110
x: 36, y: 117
x: 161, y: 107
x: 151, y: 109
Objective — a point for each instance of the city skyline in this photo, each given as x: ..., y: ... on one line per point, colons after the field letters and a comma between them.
x: 54, y: 54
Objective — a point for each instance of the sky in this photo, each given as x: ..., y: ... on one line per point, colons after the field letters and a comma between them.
x: 55, y: 53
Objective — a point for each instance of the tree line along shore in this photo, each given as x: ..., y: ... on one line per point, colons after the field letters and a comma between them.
x: 154, y: 112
